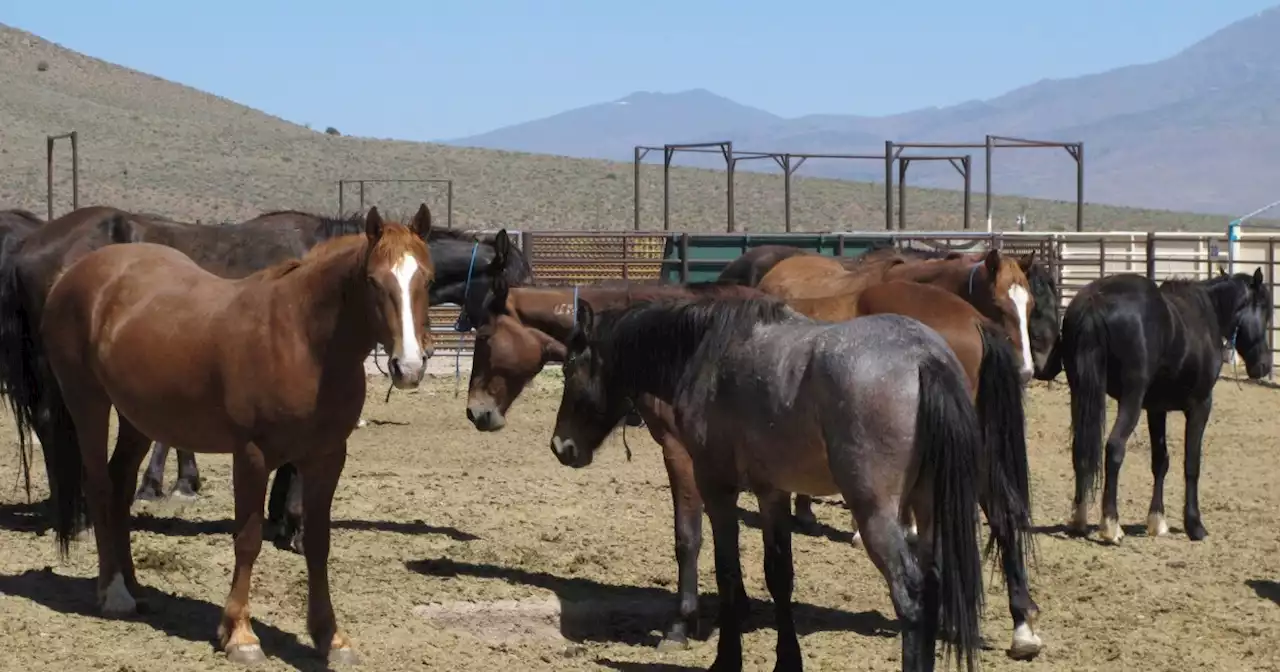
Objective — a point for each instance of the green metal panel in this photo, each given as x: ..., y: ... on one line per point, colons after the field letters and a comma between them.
x: 710, y: 253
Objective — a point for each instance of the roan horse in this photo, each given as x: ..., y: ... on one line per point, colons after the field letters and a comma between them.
x: 1159, y: 349
x: 525, y: 328
x: 875, y: 408
x: 269, y: 368
x: 992, y: 374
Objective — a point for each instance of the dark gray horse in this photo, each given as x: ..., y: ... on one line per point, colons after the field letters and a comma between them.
x: 875, y: 409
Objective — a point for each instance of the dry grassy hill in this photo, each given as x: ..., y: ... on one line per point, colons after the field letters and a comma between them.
x: 152, y: 145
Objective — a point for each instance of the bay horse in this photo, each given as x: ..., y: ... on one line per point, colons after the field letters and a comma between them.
x: 525, y: 328
x: 768, y: 400
x: 268, y: 368
x: 1158, y: 349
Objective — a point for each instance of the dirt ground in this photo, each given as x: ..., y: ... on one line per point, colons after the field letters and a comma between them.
x: 457, y: 550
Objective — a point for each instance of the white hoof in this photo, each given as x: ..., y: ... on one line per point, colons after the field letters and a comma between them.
x: 118, y: 601
x: 361, y: 423
x: 1157, y: 526
x: 1111, y: 532
x: 857, y: 538
x: 911, y: 532
x: 1026, y: 643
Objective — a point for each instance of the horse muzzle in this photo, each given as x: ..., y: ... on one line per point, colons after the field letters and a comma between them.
x: 485, y: 419
x: 570, y: 453
x: 407, y: 374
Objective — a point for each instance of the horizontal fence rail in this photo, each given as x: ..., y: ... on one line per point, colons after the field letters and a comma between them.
x: 563, y: 258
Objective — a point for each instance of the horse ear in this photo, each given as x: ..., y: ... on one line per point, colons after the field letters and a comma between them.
x: 422, y: 222
x: 1026, y: 261
x: 992, y: 262
x: 1258, y: 280
x: 584, y: 323
x: 373, y: 225
x: 500, y: 290
x: 501, y: 251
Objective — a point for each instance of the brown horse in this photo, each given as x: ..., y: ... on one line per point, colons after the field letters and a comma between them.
x: 269, y: 368
x: 996, y: 285
x: 522, y: 330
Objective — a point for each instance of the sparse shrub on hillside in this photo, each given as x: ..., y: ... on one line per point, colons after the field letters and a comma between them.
x: 42, y: 66
x: 331, y: 131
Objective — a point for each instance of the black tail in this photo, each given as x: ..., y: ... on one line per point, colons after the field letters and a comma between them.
x: 1052, y: 364
x: 36, y: 401
x: 949, y: 440
x: 1084, y: 340
x: 1001, y: 416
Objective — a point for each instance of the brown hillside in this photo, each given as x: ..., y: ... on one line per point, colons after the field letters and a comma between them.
x: 151, y: 145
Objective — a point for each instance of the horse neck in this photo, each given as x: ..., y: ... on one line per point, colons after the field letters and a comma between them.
x: 654, y: 357
x: 326, y: 296
x: 1224, y: 296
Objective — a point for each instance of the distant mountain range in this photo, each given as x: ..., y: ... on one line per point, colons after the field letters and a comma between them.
x: 1199, y: 131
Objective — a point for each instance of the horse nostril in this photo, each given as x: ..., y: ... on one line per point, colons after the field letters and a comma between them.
x: 471, y: 415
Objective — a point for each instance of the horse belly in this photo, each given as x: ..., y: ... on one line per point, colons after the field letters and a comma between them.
x: 794, y: 461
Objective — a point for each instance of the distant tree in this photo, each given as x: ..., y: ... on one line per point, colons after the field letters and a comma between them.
x: 332, y: 131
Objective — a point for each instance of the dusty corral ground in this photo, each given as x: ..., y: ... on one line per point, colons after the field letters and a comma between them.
x: 457, y: 550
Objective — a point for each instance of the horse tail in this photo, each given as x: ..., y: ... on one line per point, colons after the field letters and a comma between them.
x: 948, y: 439
x: 1003, y: 421
x: 18, y: 354
x: 1085, y: 339
x: 1052, y: 363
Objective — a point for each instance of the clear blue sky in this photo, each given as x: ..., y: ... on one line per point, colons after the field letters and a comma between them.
x: 433, y: 69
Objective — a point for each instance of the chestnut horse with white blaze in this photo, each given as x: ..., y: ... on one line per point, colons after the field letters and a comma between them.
x: 268, y: 368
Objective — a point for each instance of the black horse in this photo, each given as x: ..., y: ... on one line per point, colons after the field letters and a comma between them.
x: 1157, y: 348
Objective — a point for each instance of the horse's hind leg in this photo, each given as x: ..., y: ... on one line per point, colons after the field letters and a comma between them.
x: 1024, y: 610
x: 779, y: 573
x: 1197, y: 418
x: 131, y: 447
x: 914, y: 590
x: 153, y: 480
x: 1128, y: 410
x: 805, y: 520
x: 319, y: 475
x: 1156, y: 424
x: 188, y: 484
x: 249, y: 483
x: 284, y: 510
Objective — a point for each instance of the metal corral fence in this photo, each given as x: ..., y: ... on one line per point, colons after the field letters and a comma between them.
x: 1074, y: 259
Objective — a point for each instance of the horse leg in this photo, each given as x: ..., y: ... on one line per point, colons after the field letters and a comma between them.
x: 131, y: 448
x: 687, y: 506
x: 722, y: 508
x: 1129, y: 408
x: 909, y: 587
x: 249, y: 483
x: 1197, y: 417
x: 187, y: 487
x: 1156, y: 524
x: 779, y: 574
x: 284, y: 510
x: 319, y: 476
x: 805, y: 520
x: 153, y: 480
x: 1024, y: 610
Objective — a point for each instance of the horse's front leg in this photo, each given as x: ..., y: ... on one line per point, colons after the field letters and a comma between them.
x: 721, y: 502
x: 1197, y: 418
x: 284, y: 510
x: 319, y: 475
x: 152, y: 487
x: 1157, y: 526
x: 249, y: 483
x: 688, y: 531
x: 779, y: 574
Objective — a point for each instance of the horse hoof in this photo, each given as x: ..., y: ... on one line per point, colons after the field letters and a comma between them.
x: 1157, y: 526
x: 673, y: 642
x: 116, y: 601
x: 148, y: 493
x: 295, y: 544
x: 183, y: 495
x: 344, y: 656
x: 857, y: 538
x: 361, y: 423
x: 1196, y: 531
x: 245, y: 654
x: 1111, y: 532
x: 1026, y: 644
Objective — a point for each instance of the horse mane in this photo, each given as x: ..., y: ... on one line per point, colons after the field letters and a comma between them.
x: 657, y: 337
x: 24, y: 214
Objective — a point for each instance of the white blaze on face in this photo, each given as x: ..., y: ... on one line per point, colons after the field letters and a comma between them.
x: 1021, y: 300
x: 408, y: 350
